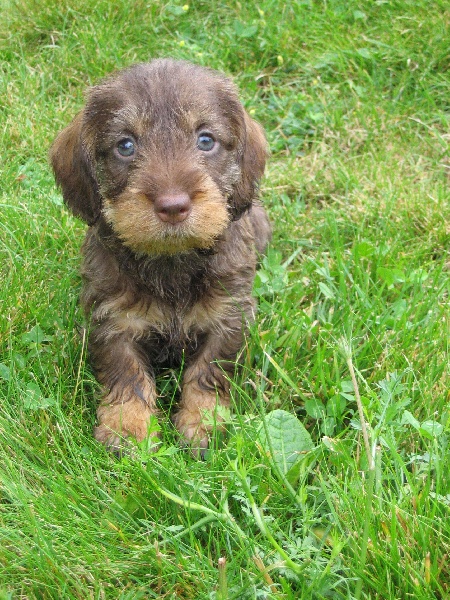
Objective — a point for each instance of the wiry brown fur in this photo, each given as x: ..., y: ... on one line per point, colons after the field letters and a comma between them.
x: 157, y: 291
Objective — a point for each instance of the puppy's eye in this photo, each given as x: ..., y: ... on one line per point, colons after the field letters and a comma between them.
x: 205, y: 142
x: 126, y: 148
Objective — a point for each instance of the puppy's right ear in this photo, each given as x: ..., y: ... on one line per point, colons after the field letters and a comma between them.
x: 74, y: 172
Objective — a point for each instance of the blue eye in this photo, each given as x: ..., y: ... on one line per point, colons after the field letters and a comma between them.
x: 205, y: 142
x: 126, y: 148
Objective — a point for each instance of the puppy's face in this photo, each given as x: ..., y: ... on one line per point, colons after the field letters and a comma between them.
x: 165, y: 153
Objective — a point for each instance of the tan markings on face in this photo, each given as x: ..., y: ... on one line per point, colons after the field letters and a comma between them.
x: 133, y: 219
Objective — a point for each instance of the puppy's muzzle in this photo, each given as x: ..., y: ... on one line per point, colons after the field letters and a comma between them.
x: 173, y: 208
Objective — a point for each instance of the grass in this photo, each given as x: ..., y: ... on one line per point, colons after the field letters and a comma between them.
x: 353, y: 300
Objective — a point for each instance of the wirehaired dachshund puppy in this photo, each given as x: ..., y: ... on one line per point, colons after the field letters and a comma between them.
x: 163, y: 164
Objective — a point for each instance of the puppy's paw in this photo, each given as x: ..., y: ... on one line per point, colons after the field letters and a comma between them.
x: 114, y: 442
x: 119, y: 422
x: 191, y: 427
x: 195, y: 427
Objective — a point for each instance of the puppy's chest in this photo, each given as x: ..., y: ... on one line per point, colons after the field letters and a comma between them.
x: 169, y: 300
x: 175, y: 325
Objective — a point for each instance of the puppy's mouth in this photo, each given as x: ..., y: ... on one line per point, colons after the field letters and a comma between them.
x: 172, y: 223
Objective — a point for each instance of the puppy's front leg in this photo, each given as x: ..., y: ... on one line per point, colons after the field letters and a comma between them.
x: 206, y: 387
x: 129, y: 396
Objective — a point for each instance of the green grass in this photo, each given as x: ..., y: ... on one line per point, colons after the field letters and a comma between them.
x: 354, y: 97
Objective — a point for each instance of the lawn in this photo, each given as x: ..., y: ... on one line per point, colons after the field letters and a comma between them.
x: 333, y: 480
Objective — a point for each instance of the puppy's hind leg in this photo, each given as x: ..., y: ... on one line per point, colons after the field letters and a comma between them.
x: 129, y: 397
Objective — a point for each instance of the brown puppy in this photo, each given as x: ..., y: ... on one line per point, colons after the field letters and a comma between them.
x: 163, y: 163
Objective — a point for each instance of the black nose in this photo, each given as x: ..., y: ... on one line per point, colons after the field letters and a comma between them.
x: 173, y: 208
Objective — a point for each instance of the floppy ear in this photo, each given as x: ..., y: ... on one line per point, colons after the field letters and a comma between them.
x: 253, y: 156
x: 74, y: 172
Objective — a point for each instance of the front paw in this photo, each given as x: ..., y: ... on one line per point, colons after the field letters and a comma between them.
x: 117, y: 423
x: 196, y: 425
x: 191, y: 427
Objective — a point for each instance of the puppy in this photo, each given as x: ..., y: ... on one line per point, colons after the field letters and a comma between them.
x: 163, y: 164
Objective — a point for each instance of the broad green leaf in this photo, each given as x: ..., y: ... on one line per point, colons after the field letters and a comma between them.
x: 36, y: 336
x: 326, y: 291
x: 347, y: 386
x: 364, y: 249
x: 314, y: 408
x: 5, y: 372
x: 409, y: 419
x: 365, y: 52
x: 431, y: 429
x: 244, y: 31
x: 359, y: 15
x: 391, y: 276
x: 285, y: 438
x: 34, y: 399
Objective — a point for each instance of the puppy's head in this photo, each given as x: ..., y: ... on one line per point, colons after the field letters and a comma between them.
x: 165, y: 153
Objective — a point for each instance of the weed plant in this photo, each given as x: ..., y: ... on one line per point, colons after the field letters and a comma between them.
x: 333, y: 480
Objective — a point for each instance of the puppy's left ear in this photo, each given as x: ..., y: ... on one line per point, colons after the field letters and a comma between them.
x: 253, y: 154
x: 74, y: 172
